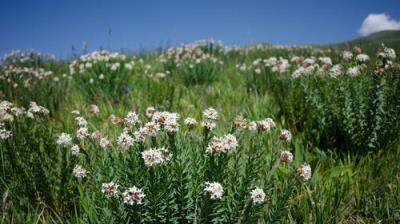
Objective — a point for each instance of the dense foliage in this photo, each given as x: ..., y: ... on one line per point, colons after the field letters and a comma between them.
x: 201, y: 134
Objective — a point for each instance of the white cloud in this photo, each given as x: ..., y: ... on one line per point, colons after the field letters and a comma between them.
x: 378, y: 22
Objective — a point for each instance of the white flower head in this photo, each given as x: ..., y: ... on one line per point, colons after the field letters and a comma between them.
x: 133, y: 196
x: 285, y: 135
x: 132, y: 118
x: 156, y: 156
x: 286, y: 156
x: 210, y: 114
x: 110, y: 189
x: 214, y: 190
x: 190, y: 122
x: 257, y: 195
x: 79, y: 171
x: 125, y: 140
x: 305, y: 171
x: 64, y: 140
x: 75, y: 150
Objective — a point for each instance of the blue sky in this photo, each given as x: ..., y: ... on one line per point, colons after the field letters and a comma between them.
x: 55, y: 26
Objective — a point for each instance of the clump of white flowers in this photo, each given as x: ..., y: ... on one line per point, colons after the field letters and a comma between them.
x: 286, y: 156
x: 222, y: 144
x: 75, y: 150
x: 387, y: 53
x: 210, y: 115
x: 257, y: 195
x: 133, y: 196
x: 94, y: 109
x: 156, y: 156
x: 190, y: 122
x: 110, y: 189
x: 353, y: 71
x: 79, y: 171
x: 214, y: 190
x: 131, y: 119
x: 347, y: 55
x: 304, y: 171
x: 5, y: 134
x: 285, y: 135
x: 362, y: 58
x: 266, y: 125
x: 36, y: 109
x: 125, y: 140
x: 64, y: 140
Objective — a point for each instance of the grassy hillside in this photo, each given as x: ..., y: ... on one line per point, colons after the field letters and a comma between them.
x: 373, y: 41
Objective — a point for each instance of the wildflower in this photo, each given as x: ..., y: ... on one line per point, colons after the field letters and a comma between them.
x: 387, y: 53
x: 79, y: 171
x: 5, y: 134
x: 305, y: 171
x: 133, y: 196
x: 325, y: 60
x: 257, y: 195
x: 362, y: 58
x: 209, y: 125
x: 335, y: 71
x: 75, y: 150
x: 17, y: 111
x: 36, y: 109
x: 347, y: 55
x: 81, y: 121
x: 156, y: 156
x: 110, y: 189
x: 131, y: 119
x: 150, y: 112
x: 353, y: 71
x: 151, y: 128
x: 223, y: 144
x: 285, y: 135
x: 105, y: 143
x: 210, y: 114
x: 266, y: 124
x: 190, y: 122
x: 286, y: 156
x: 82, y: 133
x: 171, y: 125
x: 214, y: 190
x: 251, y: 126
x: 125, y: 140
x: 257, y: 71
x: 94, y: 109
x: 64, y: 140
x: 141, y: 135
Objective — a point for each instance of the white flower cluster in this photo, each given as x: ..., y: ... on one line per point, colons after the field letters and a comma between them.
x: 222, y: 144
x: 156, y: 156
x: 257, y: 195
x: 188, y: 55
x: 64, y: 140
x: 110, y: 189
x: 112, y: 60
x: 305, y: 171
x: 79, y: 171
x: 28, y: 75
x: 133, y: 196
x: 286, y: 156
x: 190, y: 122
x: 210, y: 115
x: 285, y: 135
x: 214, y: 190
